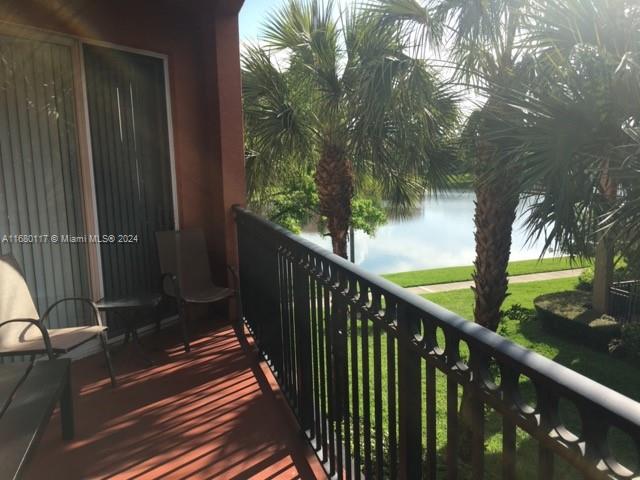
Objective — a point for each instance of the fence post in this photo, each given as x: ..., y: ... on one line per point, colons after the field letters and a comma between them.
x: 409, y: 391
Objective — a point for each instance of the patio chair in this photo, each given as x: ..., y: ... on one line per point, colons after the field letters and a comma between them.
x: 184, y: 264
x: 24, y: 332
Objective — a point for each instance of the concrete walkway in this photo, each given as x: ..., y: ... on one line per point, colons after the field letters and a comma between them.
x: 533, y: 277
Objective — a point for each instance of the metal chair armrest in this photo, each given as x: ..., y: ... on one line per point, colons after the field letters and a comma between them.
x: 91, y: 303
x: 39, y: 326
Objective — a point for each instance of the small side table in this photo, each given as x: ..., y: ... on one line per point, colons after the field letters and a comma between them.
x: 126, y: 308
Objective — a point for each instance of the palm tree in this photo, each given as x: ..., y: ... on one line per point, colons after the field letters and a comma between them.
x: 480, y: 38
x: 569, y: 129
x: 340, y: 95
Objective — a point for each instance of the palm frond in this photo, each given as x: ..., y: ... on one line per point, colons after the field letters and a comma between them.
x: 278, y: 130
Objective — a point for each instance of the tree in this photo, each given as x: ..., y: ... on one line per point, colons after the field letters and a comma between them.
x: 338, y: 94
x: 570, y: 127
x: 480, y: 38
x: 293, y: 203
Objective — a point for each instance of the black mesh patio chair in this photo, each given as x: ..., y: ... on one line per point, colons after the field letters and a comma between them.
x: 184, y: 264
x: 23, y: 331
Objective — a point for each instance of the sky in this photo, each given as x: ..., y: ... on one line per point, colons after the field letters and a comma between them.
x: 254, y: 13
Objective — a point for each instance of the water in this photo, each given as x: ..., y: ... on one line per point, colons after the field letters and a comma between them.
x: 439, y: 235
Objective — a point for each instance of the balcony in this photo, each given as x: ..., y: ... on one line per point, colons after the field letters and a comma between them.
x: 339, y: 373
x: 388, y: 385
x: 212, y: 413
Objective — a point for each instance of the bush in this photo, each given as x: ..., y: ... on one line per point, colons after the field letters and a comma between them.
x: 517, y: 313
x: 585, y: 280
x: 569, y: 314
x: 621, y: 273
x: 631, y: 338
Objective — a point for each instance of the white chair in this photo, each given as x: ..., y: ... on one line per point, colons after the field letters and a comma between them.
x: 24, y: 332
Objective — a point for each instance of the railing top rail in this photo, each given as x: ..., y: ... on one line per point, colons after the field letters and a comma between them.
x: 532, y: 364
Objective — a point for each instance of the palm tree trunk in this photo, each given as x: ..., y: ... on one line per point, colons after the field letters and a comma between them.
x: 602, y: 273
x: 335, y: 183
x: 496, y: 205
x: 604, y: 256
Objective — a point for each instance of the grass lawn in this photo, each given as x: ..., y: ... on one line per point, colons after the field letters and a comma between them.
x: 460, y: 274
x: 614, y: 373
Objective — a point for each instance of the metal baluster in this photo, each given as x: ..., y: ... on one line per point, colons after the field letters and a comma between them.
x: 508, y: 449
x: 377, y: 386
x: 303, y: 345
x: 355, y: 394
x: 366, y: 390
x: 284, y: 324
x: 338, y: 360
x: 328, y: 327
x: 269, y: 307
x: 391, y: 396
x: 509, y: 387
x: 477, y: 437
x: 293, y: 376
x: 346, y: 442
x: 548, y: 408
x: 452, y: 428
x: 323, y: 378
x: 478, y: 362
x: 410, y: 415
x: 316, y: 366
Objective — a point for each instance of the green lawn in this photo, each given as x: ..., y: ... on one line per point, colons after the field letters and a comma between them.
x: 614, y: 373
x: 460, y: 274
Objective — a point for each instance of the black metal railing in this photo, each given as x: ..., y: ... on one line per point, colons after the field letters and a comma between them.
x: 624, y: 301
x: 388, y: 385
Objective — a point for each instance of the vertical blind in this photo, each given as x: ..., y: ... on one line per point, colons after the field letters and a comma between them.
x: 130, y: 148
x: 40, y: 185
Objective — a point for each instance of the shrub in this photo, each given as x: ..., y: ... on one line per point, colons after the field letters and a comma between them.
x: 621, y: 273
x: 517, y: 313
x: 631, y: 338
x: 585, y: 280
x: 569, y: 314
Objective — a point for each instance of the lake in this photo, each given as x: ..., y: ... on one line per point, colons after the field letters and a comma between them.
x: 439, y: 235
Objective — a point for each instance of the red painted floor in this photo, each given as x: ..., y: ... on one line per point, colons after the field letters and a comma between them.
x: 215, y: 412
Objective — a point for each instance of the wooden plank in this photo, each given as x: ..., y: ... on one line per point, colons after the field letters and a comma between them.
x: 23, y: 422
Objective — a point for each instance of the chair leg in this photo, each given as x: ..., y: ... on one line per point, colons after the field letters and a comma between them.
x: 107, y: 357
x: 182, y: 317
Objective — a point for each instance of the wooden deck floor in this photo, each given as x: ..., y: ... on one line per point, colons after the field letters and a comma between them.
x: 213, y: 413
